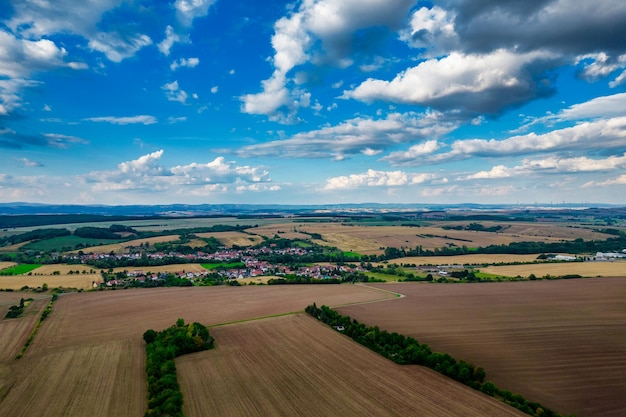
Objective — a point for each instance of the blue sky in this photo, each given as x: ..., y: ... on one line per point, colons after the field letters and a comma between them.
x: 313, y: 101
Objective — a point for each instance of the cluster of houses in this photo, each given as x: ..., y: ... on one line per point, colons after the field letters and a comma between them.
x: 223, y: 255
x: 252, y: 265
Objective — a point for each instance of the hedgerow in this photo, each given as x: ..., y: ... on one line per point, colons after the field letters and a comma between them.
x: 406, y: 350
x: 164, y: 395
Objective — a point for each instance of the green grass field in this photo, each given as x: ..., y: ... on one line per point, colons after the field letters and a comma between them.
x: 20, y: 269
x: 223, y: 265
x: 64, y: 243
x: 385, y: 277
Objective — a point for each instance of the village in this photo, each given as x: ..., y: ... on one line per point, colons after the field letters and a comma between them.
x: 225, y: 264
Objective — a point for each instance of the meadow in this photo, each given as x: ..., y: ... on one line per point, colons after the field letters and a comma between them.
x: 19, y: 269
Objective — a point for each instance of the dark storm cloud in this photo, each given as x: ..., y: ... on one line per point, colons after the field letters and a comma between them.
x: 569, y: 26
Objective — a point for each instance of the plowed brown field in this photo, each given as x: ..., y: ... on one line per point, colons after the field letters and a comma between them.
x: 296, y: 366
x: 88, y: 356
x: 15, y: 331
x: 561, y: 343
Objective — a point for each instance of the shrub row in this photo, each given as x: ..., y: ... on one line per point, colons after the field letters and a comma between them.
x: 44, y: 315
x: 406, y: 350
x: 164, y: 395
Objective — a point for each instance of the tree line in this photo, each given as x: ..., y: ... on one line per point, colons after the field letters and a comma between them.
x: 164, y: 395
x: 405, y: 350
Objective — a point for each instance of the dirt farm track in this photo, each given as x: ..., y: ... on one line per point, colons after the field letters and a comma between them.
x: 561, y: 343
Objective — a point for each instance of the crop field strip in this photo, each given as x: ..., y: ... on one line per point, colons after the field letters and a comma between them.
x: 561, y: 343
x: 585, y: 269
x: 293, y: 365
x: 470, y: 259
x: 79, y: 281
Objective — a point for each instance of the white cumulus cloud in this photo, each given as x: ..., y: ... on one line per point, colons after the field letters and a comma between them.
x: 374, y: 178
x: 141, y: 119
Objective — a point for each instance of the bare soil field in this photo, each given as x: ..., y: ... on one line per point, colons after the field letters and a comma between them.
x: 95, y: 317
x: 234, y: 238
x: 561, y: 343
x: 8, y: 298
x: 585, y: 269
x: 102, y: 380
x: 18, y: 328
x: 88, y: 357
x: 472, y: 259
x: 296, y: 366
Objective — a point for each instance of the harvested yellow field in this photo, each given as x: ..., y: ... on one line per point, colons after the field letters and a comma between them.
x: 121, y: 247
x: 5, y: 265
x: 348, y: 243
x: 287, y: 231
x: 229, y: 239
x: 472, y: 259
x: 373, y: 239
x: 585, y: 269
x: 49, y: 269
x: 552, y: 231
x: 55, y: 275
x: 13, y: 248
x: 163, y: 268
x: 369, y: 239
x: 296, y: 366
x: 78, y: 281
x: 196, y: 243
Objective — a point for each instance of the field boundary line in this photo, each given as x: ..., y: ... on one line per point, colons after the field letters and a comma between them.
x: 396, y: 294
x: 254, y: 319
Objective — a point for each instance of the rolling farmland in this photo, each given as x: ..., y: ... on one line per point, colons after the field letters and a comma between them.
x: 561, y: 343
x: 295, y: 366
x: 88, y: 357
